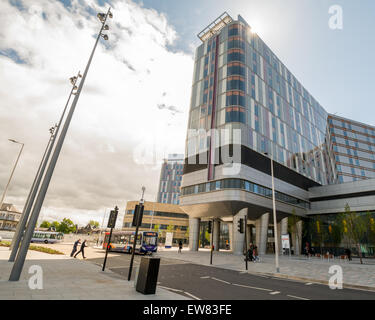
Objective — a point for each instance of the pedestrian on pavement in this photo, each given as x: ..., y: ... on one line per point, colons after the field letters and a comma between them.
x: 179, y: 246
x: 82, y: 249
x: 249, y: 255
x: 349, y: 254
x: 307, y: 249
x: 75, y: 245
x: 255, y: 254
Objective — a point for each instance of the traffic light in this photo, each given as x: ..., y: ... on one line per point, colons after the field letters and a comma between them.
x: 240, y: 225
x: 112, y: 218
x: 138, y: 215
x: 209, y: 228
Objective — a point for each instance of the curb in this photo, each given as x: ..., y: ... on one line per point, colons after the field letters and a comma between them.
x: 285, y: 276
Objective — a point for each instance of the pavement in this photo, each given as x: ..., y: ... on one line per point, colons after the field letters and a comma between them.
x: 314, y: 269
x: 65, y: 278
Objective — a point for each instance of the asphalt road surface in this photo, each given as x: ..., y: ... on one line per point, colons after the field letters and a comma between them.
x: 209, y: 283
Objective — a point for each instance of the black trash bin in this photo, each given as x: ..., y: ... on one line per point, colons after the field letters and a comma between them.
x: 148, y: 275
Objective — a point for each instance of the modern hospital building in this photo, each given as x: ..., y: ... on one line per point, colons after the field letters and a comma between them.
x: 247, y: 109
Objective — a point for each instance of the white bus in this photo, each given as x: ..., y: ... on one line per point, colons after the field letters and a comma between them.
x: 47, y: 236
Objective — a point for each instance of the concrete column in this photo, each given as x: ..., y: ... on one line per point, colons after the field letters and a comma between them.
x: 284, y: 225
x: 238, y: 238
x: 216, y: 234
x: 194, y: 224
x: 261, y: 226
x: 297, y: 238
x: 230, y: 230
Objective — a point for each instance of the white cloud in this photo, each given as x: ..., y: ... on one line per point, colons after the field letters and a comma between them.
x: 117, y: 115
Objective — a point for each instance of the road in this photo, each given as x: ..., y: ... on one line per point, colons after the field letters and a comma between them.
x: 210, y: 283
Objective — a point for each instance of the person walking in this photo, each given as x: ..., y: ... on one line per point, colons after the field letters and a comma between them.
x: 255, y: 254
x: 348, y: 254
x: 75, y: 245
x: 82, y: 249
x: 249, y: 255
x: 179, y: 246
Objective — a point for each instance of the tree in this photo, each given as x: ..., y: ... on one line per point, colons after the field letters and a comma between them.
x: 66, y: 226
x: 170, y: 228
x: 317, y: 230
x: 354, y: 226
x: 371, y: 228
x: 94, y: 224
x: 45, y: 224
x: 55, y: 225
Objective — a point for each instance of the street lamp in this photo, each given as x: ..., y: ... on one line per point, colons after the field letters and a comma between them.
x: 38, y: 177
x: 274, y: 217
x: 11, y: 175
x: 20, y: 260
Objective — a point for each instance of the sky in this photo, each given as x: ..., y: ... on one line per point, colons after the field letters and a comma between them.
x: 133, y: 109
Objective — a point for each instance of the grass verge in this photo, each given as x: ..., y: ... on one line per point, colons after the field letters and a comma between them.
x: 35, y: 248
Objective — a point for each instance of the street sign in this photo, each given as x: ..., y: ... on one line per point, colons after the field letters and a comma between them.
x: 112, y: 219
x: 285, y: 241
x: 168, y: 239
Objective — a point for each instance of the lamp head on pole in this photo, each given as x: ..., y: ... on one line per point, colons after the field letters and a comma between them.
x: 15, y: 141
x: 101, y: 17
x: 105, y: 37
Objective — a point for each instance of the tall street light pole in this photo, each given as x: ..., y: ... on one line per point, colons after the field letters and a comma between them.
x: 42, y: 167
x: 20, y: 260
x: 11, y: 175
x: 23, y: 220
x: 274, y: 218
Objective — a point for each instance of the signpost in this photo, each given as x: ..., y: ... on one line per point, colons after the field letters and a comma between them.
x: 111, y: 224
x: 137, y: 220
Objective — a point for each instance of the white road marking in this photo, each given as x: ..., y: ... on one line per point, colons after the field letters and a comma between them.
x: 220, y: 280
x: 297, y: 297
x: 190, y: 295
x: 244, y: 286
x: 172, y: 289
x: 308, y: 283
x: 205, y: 277
x: 275, y: 292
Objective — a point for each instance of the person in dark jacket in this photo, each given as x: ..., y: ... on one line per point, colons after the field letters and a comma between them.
x: 75, y: 245
x: 82, y: 249
x: 179, y: 246
x: 249, y: 253
x: 349, y: 254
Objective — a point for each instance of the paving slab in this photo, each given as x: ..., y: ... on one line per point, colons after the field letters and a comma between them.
x: 70, y: 279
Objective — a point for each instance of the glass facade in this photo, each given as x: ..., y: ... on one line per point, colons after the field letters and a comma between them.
x: 352, y: 149
x: 326, y: 233
x: 238, y: 82
x: 170, y: 179
x: 243, y: 185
